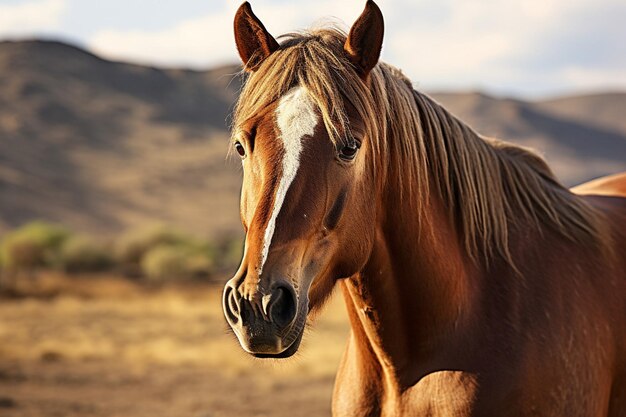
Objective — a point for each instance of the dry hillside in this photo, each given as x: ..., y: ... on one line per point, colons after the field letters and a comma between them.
x: 102, y: 146
x: 579, y: 145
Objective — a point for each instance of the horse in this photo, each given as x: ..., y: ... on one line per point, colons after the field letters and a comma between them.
x: 475, y: 283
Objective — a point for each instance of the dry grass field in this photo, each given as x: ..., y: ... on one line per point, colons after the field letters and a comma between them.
x: 103, y: 346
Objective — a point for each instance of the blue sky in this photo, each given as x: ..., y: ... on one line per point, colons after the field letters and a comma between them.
x: 533, y: 48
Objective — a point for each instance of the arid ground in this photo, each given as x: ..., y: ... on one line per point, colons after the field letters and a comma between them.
x: 103, y: 346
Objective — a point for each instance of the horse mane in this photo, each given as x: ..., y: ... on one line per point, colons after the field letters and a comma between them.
x: 487, y: 185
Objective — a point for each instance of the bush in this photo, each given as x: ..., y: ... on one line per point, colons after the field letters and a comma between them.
x: 132, y: 246
x: 230, y: 252
x: 157, y: 253
x: 33, y: 245
x: 170, y: 262
x: 81, y: 254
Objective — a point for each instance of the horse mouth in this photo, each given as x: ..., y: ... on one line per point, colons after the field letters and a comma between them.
x: 264, y: 338
x: 287, y: 353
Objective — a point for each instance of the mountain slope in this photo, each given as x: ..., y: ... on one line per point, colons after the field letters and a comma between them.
x: 602, y: 110
x: 103, y: 146
x: 577, y: 147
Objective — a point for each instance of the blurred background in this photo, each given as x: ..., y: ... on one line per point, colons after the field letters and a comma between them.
x: 119, y: 208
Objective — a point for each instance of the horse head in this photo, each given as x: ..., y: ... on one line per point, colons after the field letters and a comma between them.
x: 306, y: 203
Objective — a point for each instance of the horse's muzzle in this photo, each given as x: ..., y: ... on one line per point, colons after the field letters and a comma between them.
x: 264, y: 325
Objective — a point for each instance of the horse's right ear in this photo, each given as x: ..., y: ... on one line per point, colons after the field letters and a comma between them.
x: 254, y: 42
x: 365, y: 39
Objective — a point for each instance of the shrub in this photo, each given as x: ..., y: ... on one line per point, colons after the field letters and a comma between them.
x: 132, y: 246
x: 33, y: 245
x: 162, y: 263
x: 181, y: 261
x: 81, y: 254
x: 230, y: 252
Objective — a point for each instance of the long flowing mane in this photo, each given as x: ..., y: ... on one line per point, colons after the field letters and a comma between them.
x: 486, y: 184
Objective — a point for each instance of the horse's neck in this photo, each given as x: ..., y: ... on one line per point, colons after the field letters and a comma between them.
x: 413, y: 296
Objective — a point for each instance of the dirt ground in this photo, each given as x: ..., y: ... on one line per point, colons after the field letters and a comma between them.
x: 103, y: 346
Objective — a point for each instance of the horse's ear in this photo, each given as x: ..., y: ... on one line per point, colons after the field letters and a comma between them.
x: 366, y: 39
x: 254, y: 42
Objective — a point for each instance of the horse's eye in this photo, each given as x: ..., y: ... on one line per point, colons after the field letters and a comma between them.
x: 348, y: 152
x: 240, y: 149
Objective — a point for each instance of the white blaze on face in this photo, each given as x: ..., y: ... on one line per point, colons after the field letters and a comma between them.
x: 296, y: 118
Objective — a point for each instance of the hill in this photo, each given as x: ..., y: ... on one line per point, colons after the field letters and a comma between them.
x: 603, y: 110
x: 579, y: 143
x: 102, y: 146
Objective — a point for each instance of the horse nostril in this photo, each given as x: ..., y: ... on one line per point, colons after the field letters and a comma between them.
x: 231, y: 304
x: 282, y: 307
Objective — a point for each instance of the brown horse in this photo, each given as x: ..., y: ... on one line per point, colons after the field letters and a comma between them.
x: 476, y: 284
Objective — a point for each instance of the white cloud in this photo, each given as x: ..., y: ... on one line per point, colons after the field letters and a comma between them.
x: 208, y: 40
x: 197, y: 42
x: 593, y: 79
x: 510, y: 47
x: 449, y: 43
x: 35, y: 16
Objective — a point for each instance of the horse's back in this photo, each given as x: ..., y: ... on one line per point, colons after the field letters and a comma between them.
x: 608, y: 194
x: 611, y: 185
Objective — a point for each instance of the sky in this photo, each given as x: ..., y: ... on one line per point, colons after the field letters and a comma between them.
x: 528, y: 48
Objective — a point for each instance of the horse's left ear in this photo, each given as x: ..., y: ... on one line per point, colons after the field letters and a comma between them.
x: 254, y: 42
x: 366, y: 39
